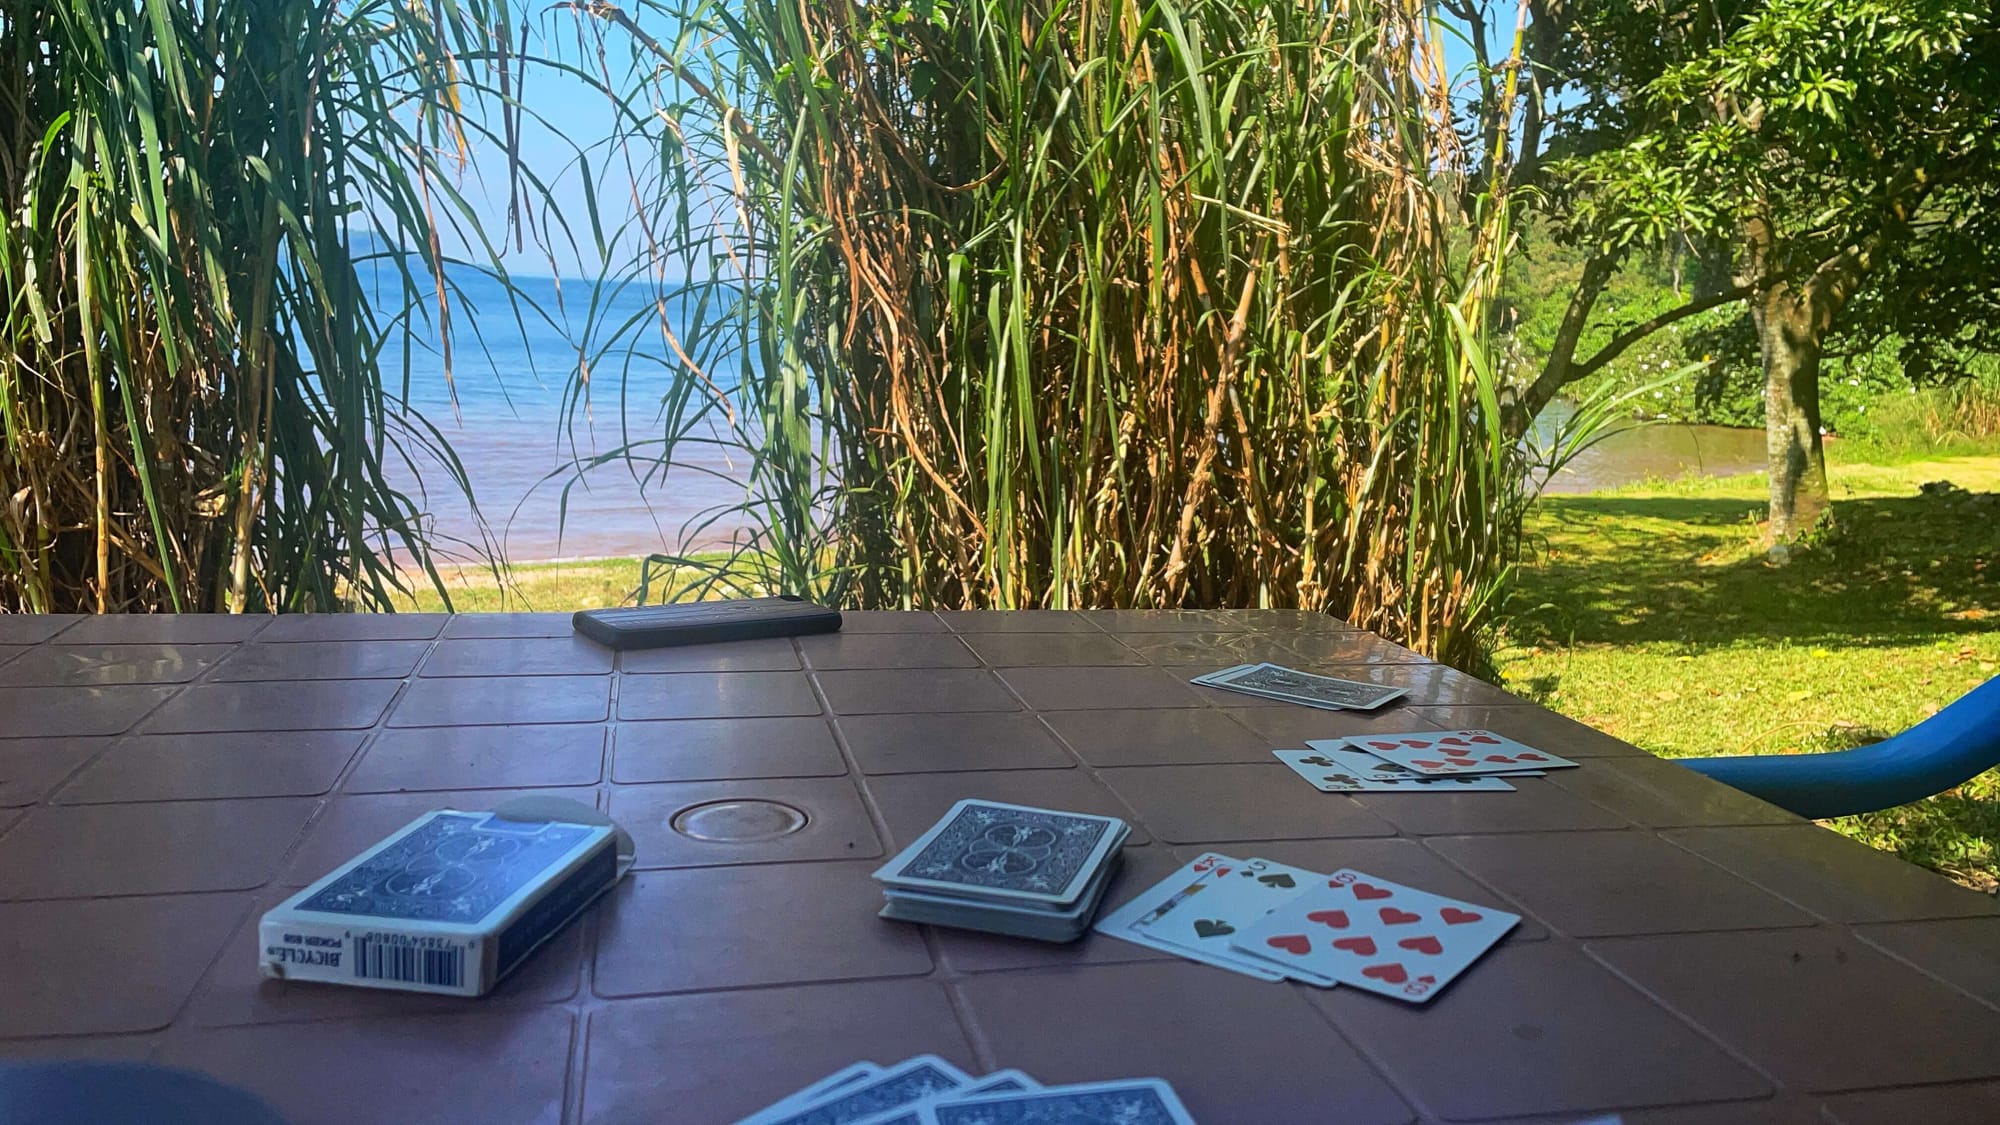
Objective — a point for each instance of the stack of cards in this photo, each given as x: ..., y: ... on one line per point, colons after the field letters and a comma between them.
x: 1273, y: 922
x: 1275, y: 681
x: 1459, y: 761
x: 927, y: 1090
x: 1006, y: 869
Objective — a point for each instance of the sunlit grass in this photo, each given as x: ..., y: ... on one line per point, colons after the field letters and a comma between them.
x: 1651, y: 612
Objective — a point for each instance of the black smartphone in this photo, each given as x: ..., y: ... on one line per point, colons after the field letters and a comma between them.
x: 695, y: 623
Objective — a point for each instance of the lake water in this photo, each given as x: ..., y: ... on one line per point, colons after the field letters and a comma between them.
x: 507, y: 429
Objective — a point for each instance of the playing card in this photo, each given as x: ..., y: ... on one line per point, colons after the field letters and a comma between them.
x: 1207, y: 677
x: 846, y: 1076
x: 998, y: 1082
x: 1383, y: 769
x: 986, y: 849
x: 1230, y: 898
x: 909, y: 1081
x: 1133, y: 1101
x: 1374, y: 934
x: 1440, y: 753
x: 1351, y: 771
x: 1164, y: 896
x: 1275, y: 681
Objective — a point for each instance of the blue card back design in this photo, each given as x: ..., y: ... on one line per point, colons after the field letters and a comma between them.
x: 877, y: 1096
x: 1137, y: 1105
x: 1031, y: 851
x: 455, y: 868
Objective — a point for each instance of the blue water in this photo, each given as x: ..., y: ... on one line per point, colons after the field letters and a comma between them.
x: 511, y: 413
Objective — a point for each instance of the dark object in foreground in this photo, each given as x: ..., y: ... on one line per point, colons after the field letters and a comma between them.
x: 85, y: 1092
x: 695, y: 623
x: 1949, y: 748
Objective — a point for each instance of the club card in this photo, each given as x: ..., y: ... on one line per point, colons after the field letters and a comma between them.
x: 1230, y: 898
x: 1275, y: 681
x: 1165, y: 895
x: 910, y: 1081
x: 1133, y: 1101
x: 1351, y: 771
x: 1381, y: 936
x: 1441, y: 753
x: 986, y: 849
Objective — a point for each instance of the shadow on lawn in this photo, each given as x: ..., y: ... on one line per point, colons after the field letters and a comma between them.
x: 1635, y: 570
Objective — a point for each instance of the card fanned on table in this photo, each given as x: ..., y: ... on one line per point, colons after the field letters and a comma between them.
x: 1006, y: 869
x: 1273, y: 922
x: 927, y: 1090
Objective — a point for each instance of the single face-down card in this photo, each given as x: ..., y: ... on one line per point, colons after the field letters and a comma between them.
x: 1275, y: 681
x: 1351, y: 771
x: 1374, y: 934
x: 987, y: 849
x: 1444, y: 753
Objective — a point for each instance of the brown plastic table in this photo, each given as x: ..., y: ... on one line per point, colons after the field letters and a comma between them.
x: 1688, y: 954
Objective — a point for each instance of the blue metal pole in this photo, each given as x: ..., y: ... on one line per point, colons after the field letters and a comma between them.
x: 1952, y: 746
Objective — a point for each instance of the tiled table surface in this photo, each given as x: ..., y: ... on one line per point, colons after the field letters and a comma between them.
x: 1689, y: 954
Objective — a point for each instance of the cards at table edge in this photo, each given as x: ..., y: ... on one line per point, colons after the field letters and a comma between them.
x: 1117, y: 923
x: 1319, y: 778
x: 1429, y: 762
x: 852, y: 1089
x: 1301, y: 913
x: 967, y: 1110
x: 1351, y: 744
x: 1115, y: 832
x: 1000, y: 1081
x: 1385, y: 693
x: 1170, y: 925
x: 813, y: 1091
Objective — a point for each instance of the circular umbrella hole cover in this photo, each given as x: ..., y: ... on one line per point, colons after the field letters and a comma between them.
x: 738, y: 821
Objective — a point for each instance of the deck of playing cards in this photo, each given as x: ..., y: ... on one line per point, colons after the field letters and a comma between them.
x: 1266, y: 920
x: 1275, y: 681
x: 450, y: 903
x: 1006, y: 869
x: 927, y: 1090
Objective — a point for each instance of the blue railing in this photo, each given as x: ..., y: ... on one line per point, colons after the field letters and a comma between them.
x: 1947, y: 749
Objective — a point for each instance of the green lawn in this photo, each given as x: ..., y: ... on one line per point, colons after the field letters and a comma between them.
x: 1650, y: 612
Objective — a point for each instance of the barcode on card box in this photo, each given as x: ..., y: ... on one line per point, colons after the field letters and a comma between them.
x: 375, y: 959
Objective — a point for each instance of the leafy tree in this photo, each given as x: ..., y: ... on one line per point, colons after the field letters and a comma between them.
x: 1844, y: 151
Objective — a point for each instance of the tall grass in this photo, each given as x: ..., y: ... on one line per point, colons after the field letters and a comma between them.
x: 1081, y: 303
x: 198, y: 410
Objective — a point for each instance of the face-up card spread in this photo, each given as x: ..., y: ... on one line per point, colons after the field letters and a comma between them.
x: 1229, y: 898
x: 1443, y: 753
x: 1374, y: 934
x: 908, y: 1082
x: 1381, y: 768
x: 1135, y: 1101
x: 987, y: 849
x: 1351, y: 771
x: 1275, y: 681
x: 1183, y: 890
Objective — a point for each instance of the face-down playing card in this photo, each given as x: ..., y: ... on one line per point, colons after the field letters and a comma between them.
x: 1374, y: 934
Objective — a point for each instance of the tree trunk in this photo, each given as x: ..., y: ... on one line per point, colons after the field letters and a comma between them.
x: 1790, y: 335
